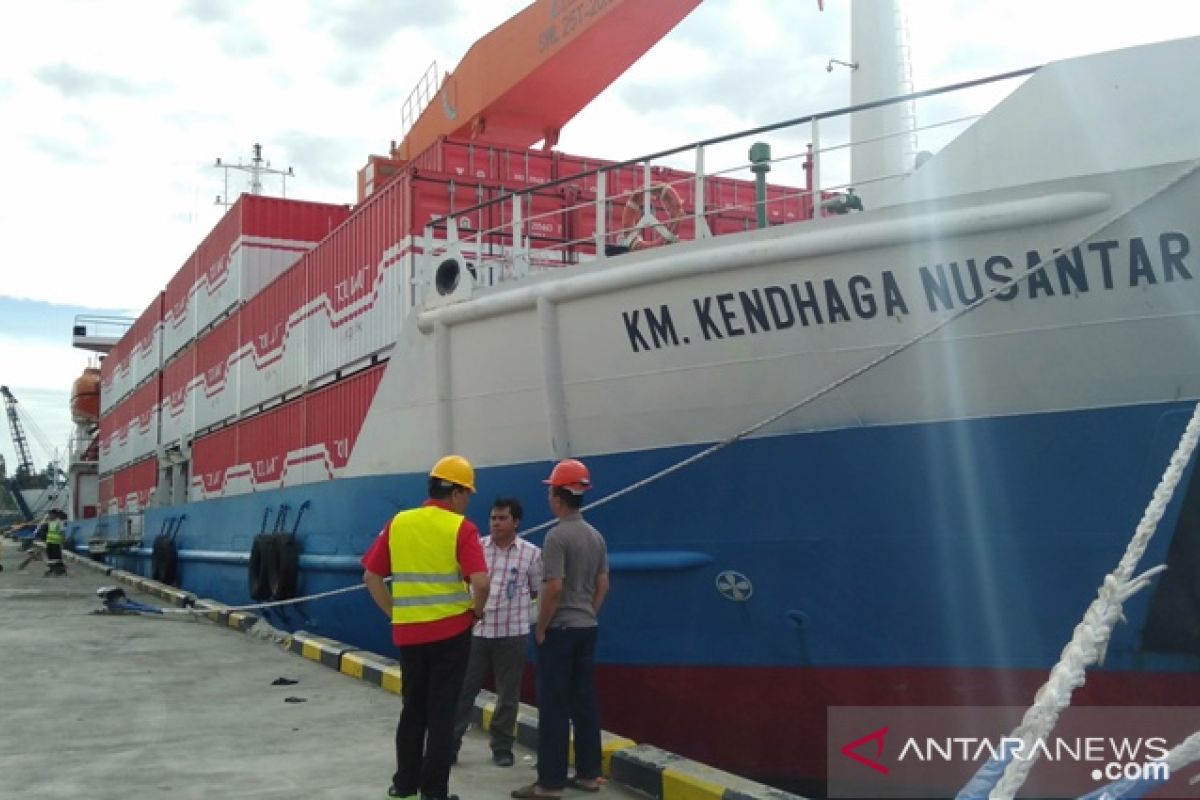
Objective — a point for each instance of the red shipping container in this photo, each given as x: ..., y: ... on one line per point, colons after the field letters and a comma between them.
x: 356, y: 285
x: 333, y: 418
x: 179, y: 319
x: 464, y: 161
x: 143, y: 419
x: 134, y: 486
x: 268, y: 442
x: 106, y: 495
x: 215, y: 391
x: 525, y: 167
x: 176, y: 418
x: 146, y: 341
x: 272, y: 361
x: 214, y: 463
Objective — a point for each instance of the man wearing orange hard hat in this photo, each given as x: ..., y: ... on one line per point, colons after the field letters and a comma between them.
x: 574, y: 585
x: 431, y: 553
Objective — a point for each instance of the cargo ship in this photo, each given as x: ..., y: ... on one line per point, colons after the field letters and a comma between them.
x: 851, y: 446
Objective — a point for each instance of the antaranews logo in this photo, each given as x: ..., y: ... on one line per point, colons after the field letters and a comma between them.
x: 924, y: 751
x: 850, y: 750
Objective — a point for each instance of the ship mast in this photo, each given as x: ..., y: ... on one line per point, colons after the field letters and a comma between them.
x: 883, y: 137
x: 257, y: 168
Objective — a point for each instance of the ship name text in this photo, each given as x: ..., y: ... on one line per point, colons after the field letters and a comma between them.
x: 1109, y: 265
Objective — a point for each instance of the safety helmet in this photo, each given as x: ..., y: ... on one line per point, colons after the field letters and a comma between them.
x: 571, y: 475
x: 454, y: 469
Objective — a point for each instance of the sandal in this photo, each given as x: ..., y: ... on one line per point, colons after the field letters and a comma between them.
x: 534, y: 792
x: 584, y: 784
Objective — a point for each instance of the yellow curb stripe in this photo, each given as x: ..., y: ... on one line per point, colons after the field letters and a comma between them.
x: 678, y: 785
x: 236, y: 618
x: 312, y: 651
x: 485, y: 720
x: 352, y: 665
x: 392, y: 681
x: 607, y: 748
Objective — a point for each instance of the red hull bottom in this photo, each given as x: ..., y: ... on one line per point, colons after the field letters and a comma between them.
x: 770, y: 723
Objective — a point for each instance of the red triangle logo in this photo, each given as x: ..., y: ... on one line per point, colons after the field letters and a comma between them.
x: 873, y: 763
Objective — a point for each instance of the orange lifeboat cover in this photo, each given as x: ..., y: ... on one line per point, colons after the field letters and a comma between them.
x: 85, y: 396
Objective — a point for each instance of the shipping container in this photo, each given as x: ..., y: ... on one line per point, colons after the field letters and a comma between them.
x: 271, y: 449
x: 461, y: 160
x: 356, y: 285
x: 333, y: 418
x: 525, y: 167
x: 215, y: 390
x: 272, y: 360
x: 107, y: 439
x: 116, y: 374
x: 179, y: 313
x: 134, y: 486
x: 176, y: 410
x: 143, y: 419
x: 254, y: 243
x: 118, y: 448
x: 214, y: 463
x: 146, y: 341
x: 108, y: 503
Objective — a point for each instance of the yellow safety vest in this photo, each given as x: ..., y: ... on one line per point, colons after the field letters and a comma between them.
x: 54, y: 532
x: 426, y: 582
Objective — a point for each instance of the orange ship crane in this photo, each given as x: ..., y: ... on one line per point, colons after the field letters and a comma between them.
x: 522, y: 82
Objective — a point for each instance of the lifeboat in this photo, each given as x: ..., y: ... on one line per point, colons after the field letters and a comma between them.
x: 85, y: 397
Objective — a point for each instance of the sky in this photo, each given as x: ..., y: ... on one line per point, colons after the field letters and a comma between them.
x: 112, y: 114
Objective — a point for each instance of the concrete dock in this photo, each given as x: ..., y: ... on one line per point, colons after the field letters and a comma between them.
x: 182, y: 706
x: 119, y: 706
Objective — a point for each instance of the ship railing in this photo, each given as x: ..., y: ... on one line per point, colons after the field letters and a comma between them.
x: 667, y: 196
x: 418, y: 99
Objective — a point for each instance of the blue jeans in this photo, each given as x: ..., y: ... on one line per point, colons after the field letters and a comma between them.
x: 566, y: 696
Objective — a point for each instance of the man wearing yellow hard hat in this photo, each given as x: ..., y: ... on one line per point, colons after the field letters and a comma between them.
x: 431, y: 554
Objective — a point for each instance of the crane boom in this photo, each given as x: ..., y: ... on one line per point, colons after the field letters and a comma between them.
x: 523, y: 81
x: 20, y: 442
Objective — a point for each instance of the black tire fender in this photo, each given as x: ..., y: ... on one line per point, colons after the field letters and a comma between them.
x: 156, y: 557
x: 165, y: 560
x: 284, y: 569
x: 261, y: 554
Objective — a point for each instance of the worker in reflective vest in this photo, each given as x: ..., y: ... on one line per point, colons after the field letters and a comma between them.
x: 54, y: 543
x: 439, y: 590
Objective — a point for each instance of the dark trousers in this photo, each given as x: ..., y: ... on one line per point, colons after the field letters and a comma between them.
x: 505, y: 657
x: 566, y: 697
x: 54, y: 559
x: 433, y: 676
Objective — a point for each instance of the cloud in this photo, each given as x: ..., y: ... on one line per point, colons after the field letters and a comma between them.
x: 319, y: 158
x: 368, y: 24
x: 209, y: 11
x: 75, y: 83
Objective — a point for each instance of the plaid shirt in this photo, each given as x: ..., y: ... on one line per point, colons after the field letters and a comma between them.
x: 516, y: 574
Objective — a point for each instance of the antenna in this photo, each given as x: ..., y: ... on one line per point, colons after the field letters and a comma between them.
x: 257, y: 168
x: 852, y: 65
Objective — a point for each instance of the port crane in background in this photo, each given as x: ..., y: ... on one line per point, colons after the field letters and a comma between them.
x: 25, y: 477
x: 521, y: 83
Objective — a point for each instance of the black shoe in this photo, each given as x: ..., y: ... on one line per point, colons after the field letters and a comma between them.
x: 431, y: 797
x: 393, y: 793
x: 503, y: 758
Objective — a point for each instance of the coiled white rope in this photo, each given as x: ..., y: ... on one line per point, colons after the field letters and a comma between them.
x: 1090, y: 640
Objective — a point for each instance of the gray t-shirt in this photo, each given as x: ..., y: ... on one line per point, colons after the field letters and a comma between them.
x: 574, y: 552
